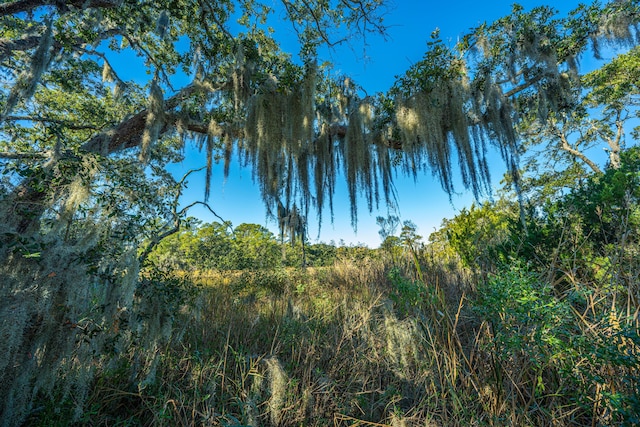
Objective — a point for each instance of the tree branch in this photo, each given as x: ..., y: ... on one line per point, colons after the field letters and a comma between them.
x: 125, y: 135
x: 128, y: 134
x: 22, y: 6
x: 522, y: 86
x: 8, y: 46
x: 365, y: 16
x: 66, y: 124
x: 18, y: 156
x: 137, y: 45
x: 177, y: 218
x: 565, y: 146
x: 18, y: 6
x: 294, y: 13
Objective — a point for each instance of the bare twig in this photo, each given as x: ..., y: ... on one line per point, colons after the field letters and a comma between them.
x: 173, y: 225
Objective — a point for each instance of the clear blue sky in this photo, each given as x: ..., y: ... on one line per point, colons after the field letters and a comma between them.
x: 237, y: 198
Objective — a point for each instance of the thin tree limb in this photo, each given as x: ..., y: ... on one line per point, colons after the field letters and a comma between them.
x: 19, y: 156
x: 7, y: 46
x: 565, y: 146
x: 176, y: 221
x: 523, y: 86
x: 19, y: 6
x: 66, y: 124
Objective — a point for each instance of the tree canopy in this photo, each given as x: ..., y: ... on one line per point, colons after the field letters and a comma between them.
x: 65, y: 103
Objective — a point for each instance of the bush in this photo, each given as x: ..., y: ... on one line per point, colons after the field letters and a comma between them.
x: 547, y: 353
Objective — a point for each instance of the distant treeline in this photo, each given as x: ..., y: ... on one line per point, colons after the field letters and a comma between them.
x: 220, y: 246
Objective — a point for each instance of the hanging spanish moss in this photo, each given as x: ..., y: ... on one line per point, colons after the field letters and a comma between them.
x: 241, y: 78
x: 27, y: 81
x: 441, y: 123
x: 162, y: 24
x: 74, y: 301
x: 107, y: 72
x: 434, y: 120
x: 358, y: 157
x: 324, y: 168
x: 279, y: 138
x: 154, y: 122
x: 617, y: 27
x: 292, y: 223
x: 297, y: 150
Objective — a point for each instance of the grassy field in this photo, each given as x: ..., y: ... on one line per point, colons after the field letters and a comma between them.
x: 361, y: 344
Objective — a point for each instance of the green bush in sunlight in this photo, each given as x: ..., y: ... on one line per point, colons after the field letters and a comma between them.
x: 546, y: 347
x: 532, y: 328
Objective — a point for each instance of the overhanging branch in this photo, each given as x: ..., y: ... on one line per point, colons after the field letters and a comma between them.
x: 19, y: 6
x: 128, y: 133
x: 64, y: 123
x: 19, y: 156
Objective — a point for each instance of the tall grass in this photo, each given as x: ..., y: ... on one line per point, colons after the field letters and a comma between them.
x: 366, y: 344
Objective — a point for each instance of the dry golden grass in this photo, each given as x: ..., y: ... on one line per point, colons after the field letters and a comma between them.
x: 332, y: 346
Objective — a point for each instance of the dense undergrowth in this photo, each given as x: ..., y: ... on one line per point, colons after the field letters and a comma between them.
x: 495, y: 321
x: 365, y: 344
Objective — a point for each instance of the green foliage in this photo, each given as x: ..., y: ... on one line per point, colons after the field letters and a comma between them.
x: 614, y: 356
x: 168, y: 291
x: 589, y: 234
x: 321, y: 254
x: 392, y: 246
x: 479, y: 235
x: 254, y: 247
x: 440, y: 63
x: 527, y: 320
x: 616, y: 82
x: 609, y: 204
x: 219, y: 246
x: 558, y: 296
x: 407, y: 294
x: 540, y: 338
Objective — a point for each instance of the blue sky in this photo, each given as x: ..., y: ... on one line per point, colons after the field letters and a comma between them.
x: 237, y: 198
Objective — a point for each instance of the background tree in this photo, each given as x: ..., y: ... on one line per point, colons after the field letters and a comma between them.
x: 388, y: 226
x: 566, y: 148
x: 321, y: 254
x: 390, y: 242
x: 254, y: 247
x: 412, y: 243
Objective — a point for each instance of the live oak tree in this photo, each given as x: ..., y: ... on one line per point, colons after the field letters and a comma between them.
x: 86, y: 195
x: 294, y: 125
x: 516, y: 84
x: 565, y: 148
x: 68, y: 50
